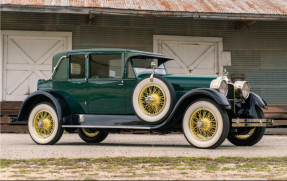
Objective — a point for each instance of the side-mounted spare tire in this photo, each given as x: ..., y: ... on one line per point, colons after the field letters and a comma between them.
x: 153, y: 100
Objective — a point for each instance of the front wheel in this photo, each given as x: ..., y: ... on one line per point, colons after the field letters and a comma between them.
x: 91, y: 135
x: 248, y: 137
x: 205, y: 124
x: 43, y: 124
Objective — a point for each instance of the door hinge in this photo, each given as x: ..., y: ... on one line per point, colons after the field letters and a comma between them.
x: 86, y: 102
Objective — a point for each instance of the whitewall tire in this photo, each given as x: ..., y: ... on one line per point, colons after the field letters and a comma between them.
x: 153, y: 100
x: 205, y: 124
x: 43, y: 124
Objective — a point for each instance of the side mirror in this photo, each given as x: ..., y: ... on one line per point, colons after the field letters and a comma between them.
x: 153, y: 65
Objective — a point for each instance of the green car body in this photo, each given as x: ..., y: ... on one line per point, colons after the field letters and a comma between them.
x: 109, y: 92
x: 84, y: 100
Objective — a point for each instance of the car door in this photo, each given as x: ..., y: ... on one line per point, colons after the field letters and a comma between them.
x: 75, y: 87
x: 105, y: 84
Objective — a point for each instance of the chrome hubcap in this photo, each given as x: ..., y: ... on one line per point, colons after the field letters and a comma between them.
x: 40, y: 124
x: 149, y: 99
x: 199, y: 124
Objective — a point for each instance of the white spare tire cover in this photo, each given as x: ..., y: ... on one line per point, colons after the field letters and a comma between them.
x: 153, y: 100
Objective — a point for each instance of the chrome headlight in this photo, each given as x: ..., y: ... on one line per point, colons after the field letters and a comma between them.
x: 242, y: 89
x: 220, y: 85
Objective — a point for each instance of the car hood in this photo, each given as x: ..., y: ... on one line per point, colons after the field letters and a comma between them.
x: 185, y: 83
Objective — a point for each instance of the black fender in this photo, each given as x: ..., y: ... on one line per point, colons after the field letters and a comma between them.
x: 191, y: 96
x: 255, y: 99
x: 250, y: 104
x: 36, y: 97
x: 205, y: 93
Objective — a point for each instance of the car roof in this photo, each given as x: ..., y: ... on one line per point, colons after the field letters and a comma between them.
x: 128, y: 53
x: 112, y: 50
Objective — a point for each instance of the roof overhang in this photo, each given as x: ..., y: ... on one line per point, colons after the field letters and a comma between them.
x: 128, y: 12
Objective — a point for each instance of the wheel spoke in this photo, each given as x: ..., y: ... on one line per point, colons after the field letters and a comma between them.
x: 157, y: 102
x: 203, y: 124
x: 44, y: 124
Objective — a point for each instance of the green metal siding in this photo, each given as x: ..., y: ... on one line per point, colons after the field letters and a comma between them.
x: 259, y: 51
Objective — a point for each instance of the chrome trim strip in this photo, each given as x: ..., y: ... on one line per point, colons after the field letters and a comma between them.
x: 106, y: 127
x: 252, y: 122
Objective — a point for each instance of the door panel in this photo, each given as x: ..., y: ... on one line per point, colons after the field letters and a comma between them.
x: 192, y: 55
x: 105, y: 86
x: 75, y: 92
x: 27, y: 58
x: 191, y: 58
x: 106, y: 97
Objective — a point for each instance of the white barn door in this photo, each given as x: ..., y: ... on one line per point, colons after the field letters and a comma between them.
x: 192, y: 55
x: 27, y: 58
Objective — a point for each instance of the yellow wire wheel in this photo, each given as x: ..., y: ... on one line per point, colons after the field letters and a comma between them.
x: 245, y: 136
x: 203, y: 124
x: 44, y: 123
x: 89, y: 133
x: 152, y: 100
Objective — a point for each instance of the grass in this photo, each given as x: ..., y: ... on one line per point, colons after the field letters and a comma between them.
x: 136, y: 167
x: 211, y: 167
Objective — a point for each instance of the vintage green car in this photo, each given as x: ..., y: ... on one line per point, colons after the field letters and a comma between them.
x: 98, y: 91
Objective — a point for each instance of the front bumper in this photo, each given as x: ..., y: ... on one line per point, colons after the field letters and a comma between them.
x: 252, y: 123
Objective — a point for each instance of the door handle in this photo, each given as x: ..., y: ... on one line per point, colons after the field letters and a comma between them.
x: 122, y: 82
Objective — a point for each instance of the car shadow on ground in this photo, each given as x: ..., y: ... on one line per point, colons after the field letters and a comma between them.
x: 132, y: 145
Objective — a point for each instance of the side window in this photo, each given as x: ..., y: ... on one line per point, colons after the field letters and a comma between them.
x: 130, y: 71
x: 77, y: 67
x: 105, y: 66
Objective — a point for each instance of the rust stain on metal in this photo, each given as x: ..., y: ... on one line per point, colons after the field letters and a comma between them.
x: 201, y: 6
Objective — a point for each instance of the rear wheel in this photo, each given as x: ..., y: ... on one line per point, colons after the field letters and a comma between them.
x: 205, y: 124
x: 44, y: 125
x: 91, y: 135
x: 248, y: 137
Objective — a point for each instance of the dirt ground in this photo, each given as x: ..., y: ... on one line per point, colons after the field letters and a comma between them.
x: 145, y: 168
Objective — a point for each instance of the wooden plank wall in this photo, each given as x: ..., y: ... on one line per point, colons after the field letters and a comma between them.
x: 8, y: 109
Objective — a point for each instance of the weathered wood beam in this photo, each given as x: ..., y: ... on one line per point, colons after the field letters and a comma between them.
x: 91, y: 17
x: 242, y: 25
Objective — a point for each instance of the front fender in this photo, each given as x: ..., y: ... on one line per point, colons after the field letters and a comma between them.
x: 191, y: 96
x: 249, y: 106
x: 36, y: 97
x: 255, y: 99
x: 207, y: 93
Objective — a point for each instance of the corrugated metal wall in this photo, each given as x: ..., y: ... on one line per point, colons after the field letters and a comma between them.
x: 258, y: 51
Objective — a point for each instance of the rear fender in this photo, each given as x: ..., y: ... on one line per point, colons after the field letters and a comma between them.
x: 36, y: 97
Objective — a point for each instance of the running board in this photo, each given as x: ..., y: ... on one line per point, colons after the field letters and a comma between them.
x: 106, y: 121
x: 252, y: 122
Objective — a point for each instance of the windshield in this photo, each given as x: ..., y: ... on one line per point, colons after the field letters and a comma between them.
x: 142, y: 65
